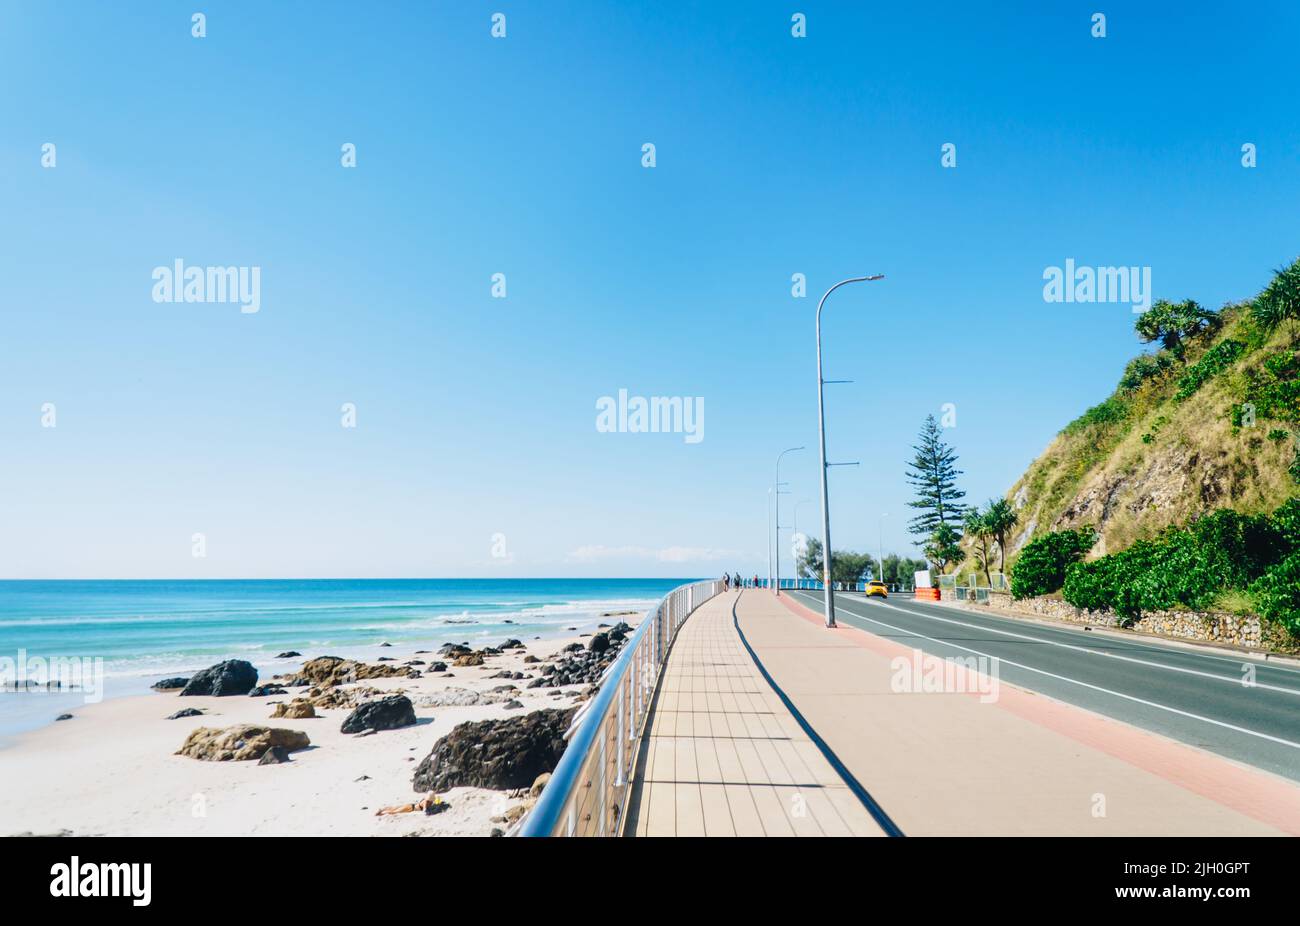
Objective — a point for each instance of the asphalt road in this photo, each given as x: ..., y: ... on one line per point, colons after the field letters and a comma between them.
x: 1193, y: 696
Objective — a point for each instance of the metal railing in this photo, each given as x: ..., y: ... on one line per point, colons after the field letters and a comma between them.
x: 815, y: 585
x: 587, y: 793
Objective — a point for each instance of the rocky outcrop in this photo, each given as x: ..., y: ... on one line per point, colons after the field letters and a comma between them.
x: 232, y: 677
x: 288, y: 654
x: 499, y: 754
x: 384, y: 714
x: 341, y: 697
x: 240, y: 743
x: 579, y: 666
x: 463, y: 697
x: 327, y: 671
x: 297, y: 709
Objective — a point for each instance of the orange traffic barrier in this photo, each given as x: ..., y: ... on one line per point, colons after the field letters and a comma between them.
x: 927, y: 594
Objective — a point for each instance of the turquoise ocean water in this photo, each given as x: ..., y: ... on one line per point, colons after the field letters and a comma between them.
x: 146, y: 630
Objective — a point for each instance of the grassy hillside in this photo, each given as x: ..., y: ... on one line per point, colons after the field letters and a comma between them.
x: 1175, y: 440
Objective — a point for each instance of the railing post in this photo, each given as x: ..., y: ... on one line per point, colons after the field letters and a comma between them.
x: 603, y: 793
x: 619, y: 780
x: 636, y: 684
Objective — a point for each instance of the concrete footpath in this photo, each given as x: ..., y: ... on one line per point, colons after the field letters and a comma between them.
x: 722, y: 756
x: 980, y: 758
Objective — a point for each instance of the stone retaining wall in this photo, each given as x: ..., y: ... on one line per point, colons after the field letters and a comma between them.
x: 1246, y: 631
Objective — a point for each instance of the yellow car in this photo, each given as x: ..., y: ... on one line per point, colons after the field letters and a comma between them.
x: 878, y: 589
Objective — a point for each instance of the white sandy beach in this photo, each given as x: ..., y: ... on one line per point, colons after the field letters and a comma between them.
x: 112, y: 768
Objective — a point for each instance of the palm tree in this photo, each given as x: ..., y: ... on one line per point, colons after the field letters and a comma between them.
x: 977, y: 529
x: 1000, y: 519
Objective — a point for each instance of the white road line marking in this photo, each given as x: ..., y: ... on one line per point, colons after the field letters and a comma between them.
x: 1093, y: 652
x: 1148, y: 647
x: 1072, y: 681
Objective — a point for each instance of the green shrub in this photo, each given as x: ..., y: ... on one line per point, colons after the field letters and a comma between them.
x: 1110, y: 583
x: 1280, y: 299
x: 1286, y: 521
x: 1144, y: 367
x: 1273, y: 388
x: 1215, y: 360
x: 1277, y: 594
x: 1040, y: 569
x: 1111, y: 411
x: 1190, y: 568
x: 1241, y: 546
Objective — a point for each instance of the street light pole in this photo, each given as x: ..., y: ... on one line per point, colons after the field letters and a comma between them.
x: 778, y: 516
x: 828, y: 596
x: 769, y: 534
x: 881, y: 538
x: 797, y: 505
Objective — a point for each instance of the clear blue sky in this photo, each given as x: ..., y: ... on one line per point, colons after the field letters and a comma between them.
x: 523, y: 156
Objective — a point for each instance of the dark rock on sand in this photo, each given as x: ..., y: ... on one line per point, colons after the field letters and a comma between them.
x: 64, y: 717
x: 232, y: 677
x: 263, y: 691
x: 385, y: 714
x: 500, y: 754
x: 511, y: 644
x: 438, y: 667
x: 276, y: 755
x: 288, y: 654
x: 171, y: 684
x: 598, y: 643
x: 185, y: 712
